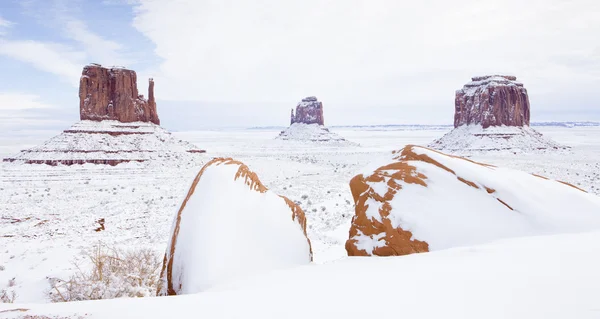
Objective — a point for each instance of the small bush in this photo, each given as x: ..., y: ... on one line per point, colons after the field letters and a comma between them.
x: 114, y: 273
x: 7, y: 296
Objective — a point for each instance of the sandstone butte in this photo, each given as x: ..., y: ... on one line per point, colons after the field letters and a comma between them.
x: 308, y: 111
x: 377, y: 227
x: 112, y: 94
x: 171, y: 276
x: 492, y: 100
x: 109, y: 103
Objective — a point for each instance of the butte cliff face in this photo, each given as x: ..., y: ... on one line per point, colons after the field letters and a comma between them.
x: 492, y: 100
x: 112, y: 94
x: 308, y: 111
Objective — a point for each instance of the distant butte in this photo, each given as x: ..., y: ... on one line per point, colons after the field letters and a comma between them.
x: 308, y: 111
x: 492, y: 113
x: 492, y: 100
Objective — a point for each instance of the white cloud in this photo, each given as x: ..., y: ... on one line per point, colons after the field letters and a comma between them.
x: 4, y: 24
x: 24, y: 111
x: 367, y: 52
x: 14, y: 101
x: 49, y: 57
x: 58, y: 57
x: 96, y: 47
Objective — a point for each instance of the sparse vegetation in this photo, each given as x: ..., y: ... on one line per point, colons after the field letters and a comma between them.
x: 7, y: 296
x: 114, y: 273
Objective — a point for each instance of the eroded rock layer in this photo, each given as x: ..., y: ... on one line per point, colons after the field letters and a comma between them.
x: 492, y: 100
x: 108, y: 142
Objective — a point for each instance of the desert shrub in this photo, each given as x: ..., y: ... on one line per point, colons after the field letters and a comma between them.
x: 114, y: 273
x: 7, y: 296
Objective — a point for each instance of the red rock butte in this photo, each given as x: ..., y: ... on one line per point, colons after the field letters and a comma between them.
x: 117, y: 125
x: 492, y: 100
x: 112, y: 94
x: 308, y: 111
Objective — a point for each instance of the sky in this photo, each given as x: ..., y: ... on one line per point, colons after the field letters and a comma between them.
x: 246, y: 63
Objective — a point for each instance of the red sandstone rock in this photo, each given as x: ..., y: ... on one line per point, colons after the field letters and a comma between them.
x: 112, y: 94
x: 308, y: 111
x: 492, y: 100
x: 190, y: 255
x: 421, y: 200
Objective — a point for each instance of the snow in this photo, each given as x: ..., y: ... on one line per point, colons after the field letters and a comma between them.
x: 449, y: 213
x: 311, y: 132
x: 139, y: 200
x: 537, y: 277
x: 467, y: 139
x: 109, y: 140
x: 229, y: 231
x: 482, y: 83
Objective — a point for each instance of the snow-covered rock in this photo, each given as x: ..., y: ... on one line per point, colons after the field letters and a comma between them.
x: 419, y: 200
x: 228, y: 227
x: 474, y: 138
x: 310, y: 133
x: 108, y: 142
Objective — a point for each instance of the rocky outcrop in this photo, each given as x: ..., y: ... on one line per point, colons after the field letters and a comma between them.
x: 308, y: 111
x: 112, y: 94
x: 492, y: 100
x: 420, y: 200
x: 231, y: 226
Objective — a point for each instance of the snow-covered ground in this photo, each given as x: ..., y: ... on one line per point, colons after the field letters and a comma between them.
x: 48, y: 214
x: 527, y: 278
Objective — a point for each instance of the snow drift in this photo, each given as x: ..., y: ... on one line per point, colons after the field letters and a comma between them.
x: 228, y: 227
x: 540, y: 277
x: 474, y: 138
x: 419, y: 200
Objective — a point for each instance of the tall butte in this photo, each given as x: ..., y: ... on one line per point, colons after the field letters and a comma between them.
x: 112, y: 94
x: 492, y: 113
x: 118, y: 125
x: 492, y: 100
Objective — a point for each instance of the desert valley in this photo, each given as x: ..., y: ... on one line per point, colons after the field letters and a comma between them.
x: 300, y: 159
x: 491, y: 212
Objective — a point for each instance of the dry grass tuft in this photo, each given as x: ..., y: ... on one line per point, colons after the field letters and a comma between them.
x: 114, y: 273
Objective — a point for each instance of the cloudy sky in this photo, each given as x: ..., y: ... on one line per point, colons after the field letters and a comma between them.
x: 236, y: 63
